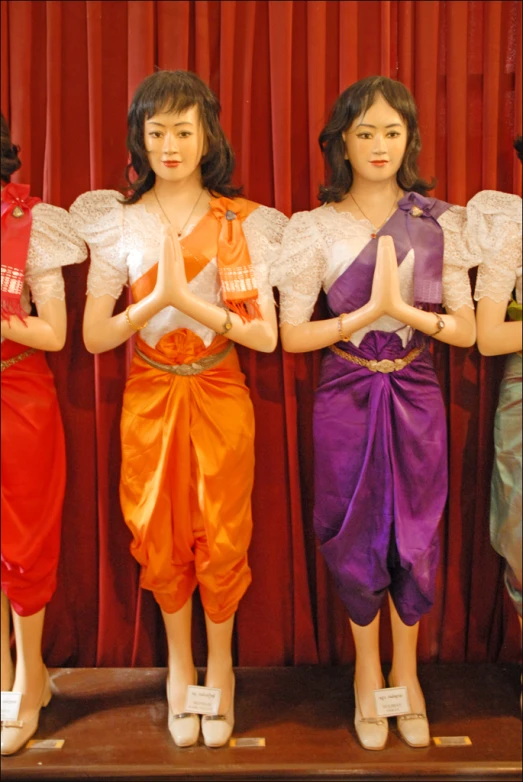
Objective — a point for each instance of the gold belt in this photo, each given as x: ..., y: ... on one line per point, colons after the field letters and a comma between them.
x: 15, y: 359
x: 385, y: 365
x: 196, y: 368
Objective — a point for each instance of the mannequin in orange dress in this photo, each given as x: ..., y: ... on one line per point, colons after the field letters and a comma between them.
x: 196, y: 256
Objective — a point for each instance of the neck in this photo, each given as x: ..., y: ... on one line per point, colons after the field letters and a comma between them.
x: 374, y: 191
x: 188, y: 188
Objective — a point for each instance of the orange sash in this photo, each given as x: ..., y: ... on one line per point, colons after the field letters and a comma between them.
x: 218, y: 235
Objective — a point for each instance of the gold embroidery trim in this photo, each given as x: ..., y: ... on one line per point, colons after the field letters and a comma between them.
x: 20, y: 357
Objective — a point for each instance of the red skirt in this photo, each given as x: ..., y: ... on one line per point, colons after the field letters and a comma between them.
x: 33, y: 480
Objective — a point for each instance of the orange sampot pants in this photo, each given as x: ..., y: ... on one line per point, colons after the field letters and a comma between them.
x: 187, y: 475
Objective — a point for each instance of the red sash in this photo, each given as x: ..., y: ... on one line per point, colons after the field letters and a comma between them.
x: 16, y: 232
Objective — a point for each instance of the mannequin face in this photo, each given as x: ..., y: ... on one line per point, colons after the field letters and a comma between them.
x: 175, y: 144
x: 376, y: 141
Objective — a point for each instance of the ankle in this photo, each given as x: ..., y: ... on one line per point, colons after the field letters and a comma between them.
x: 403, y: 676
x: 29, y: 677
x: 364, y: 672
x: 221, y: 663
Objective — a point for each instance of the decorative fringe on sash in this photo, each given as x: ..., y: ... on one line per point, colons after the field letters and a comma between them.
x: 10, y: 308
x: 239, y: 291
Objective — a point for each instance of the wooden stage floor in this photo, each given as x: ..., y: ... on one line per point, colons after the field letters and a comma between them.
x: 114, y: 723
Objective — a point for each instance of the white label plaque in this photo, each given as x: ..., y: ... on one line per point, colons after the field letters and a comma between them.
x: 202, y: 700
x: 391, y: 701
x: 10, y: 705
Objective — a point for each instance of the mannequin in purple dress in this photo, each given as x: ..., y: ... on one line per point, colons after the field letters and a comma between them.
x: 389, y: 259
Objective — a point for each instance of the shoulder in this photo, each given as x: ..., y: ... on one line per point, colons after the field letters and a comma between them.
x: 495, y: 202
x: 54, y: 241
x: 98, y: 217
x: 267, y: 220
x: 96, y: 203
x: 52, y: 219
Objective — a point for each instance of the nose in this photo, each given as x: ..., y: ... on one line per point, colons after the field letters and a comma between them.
x: 380, y: 146
x: 169, y: 144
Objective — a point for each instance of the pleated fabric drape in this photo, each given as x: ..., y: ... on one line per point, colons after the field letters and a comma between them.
x: 69, y: 70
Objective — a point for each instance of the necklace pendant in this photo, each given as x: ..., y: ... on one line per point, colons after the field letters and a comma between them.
x: 179, y: 233
x: 373, y: 235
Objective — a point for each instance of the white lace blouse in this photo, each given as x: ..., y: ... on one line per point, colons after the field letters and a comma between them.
x: 494, y: 232
x: 53, y: 243
x: 124, y: 241
x: 318, y: 246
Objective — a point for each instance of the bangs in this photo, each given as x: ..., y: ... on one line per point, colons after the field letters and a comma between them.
x: 360, y: 97
x: 173, y: 91
x: 164, y: 100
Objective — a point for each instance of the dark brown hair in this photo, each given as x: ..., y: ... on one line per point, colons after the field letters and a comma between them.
x: 178, y: 91
x: 350, y: 105
x: 10, y: 160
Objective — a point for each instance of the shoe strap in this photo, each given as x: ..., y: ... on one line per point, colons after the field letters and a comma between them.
x: 412, y: 716
x: 12, y: 723
x: 372, y: 720
x: 214, y: 717
x: 183, y: 715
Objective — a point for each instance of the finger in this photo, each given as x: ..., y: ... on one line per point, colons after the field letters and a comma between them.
x: 385, y: 242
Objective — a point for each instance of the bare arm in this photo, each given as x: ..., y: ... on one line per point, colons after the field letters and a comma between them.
x: 104, y: 331
x: 459, y: 330
x: 47, y: 331
x: 495, y: 336
x: 256, y: 334
x: 322, y: 333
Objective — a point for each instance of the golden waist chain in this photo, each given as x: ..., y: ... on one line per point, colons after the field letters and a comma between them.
x: 196, y: 368
x: 385, y: 365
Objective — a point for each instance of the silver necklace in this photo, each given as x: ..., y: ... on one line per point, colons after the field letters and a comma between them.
x: 373, y: 234
x: 182, y: 229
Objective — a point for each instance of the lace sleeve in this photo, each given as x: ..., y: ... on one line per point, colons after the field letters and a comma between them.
x: 299, y: 271
x: 45, y: 286
x: 494, y: 227
x: 53, y: 243
x: 98, y: 218
x: 458, y: 258
x: 263, y: 231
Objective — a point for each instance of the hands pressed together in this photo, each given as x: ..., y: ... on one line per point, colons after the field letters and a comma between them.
x: 386, y: 296
x: 171, y: 287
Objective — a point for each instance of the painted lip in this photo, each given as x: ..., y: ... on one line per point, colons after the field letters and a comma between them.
x: 379, y: 162
x: 171, y: 163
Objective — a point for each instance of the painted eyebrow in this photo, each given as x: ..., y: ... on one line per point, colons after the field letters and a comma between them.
x: 365, y: 125
x: 177, y: 124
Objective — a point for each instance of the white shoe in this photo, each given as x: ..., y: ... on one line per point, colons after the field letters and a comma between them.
x: 16, y: 733
x: 372, y: 731
x: 414, y: 729
x: 217, y: 728
x: 184, y: 727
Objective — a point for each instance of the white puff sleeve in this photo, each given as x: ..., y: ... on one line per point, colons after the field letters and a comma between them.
x: 263, y: 230
x: 53, y: 243
x: 98, y: 218
x: 458, y: 258
x: 299, y: 270
x: 494, y: 228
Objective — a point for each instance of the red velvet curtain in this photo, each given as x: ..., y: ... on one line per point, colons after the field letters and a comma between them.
x: 68, y: 72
